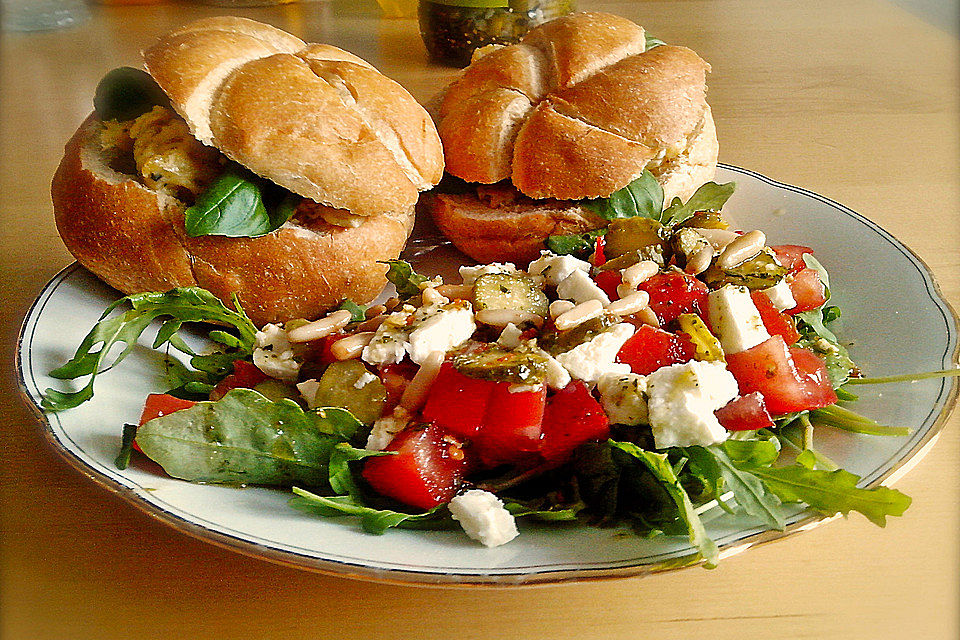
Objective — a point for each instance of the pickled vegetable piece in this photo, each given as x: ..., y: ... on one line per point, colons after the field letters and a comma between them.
x: 707, y: 345
x: 556, y: 342
x: 348, y: 384
x: 759, y: 272
x: 635, y: 234
x: 706, y: 220
x: 509, y: 291
x: 520, y: 366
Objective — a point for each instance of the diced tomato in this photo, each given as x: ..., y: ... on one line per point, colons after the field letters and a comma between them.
x: 651, y: 348
x: 791, y: 256
x: 788, y: 381
x: 456, y: 402
x: 807, y: 290
x: 746, y: 413
x: 395, y: 378
x: 245, y: 376
x: 426, y: 471
x: 511, y: 427
x: 161, y: 404
x: 775, y: 321
x: 673, y: 293
x: 599, y: 257
x: 608, y: 281
x: 571, y: 418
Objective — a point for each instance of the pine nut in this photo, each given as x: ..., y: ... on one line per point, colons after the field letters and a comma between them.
x: 375, y: 311
x: 352, y: 346
x: 456, y: 291
x: 579, y: 314
x: 416, y: 392
x: 647, y: 316
x: 624, y: 290
x: 637, y: 273
x: 630, y: 305
x: 559, y: 307
x: 320, y: 328
x: 700, y: 261
x: 503, y: 317
x: 372, y: 323
x: 744, y: 247
x: 719, y: 238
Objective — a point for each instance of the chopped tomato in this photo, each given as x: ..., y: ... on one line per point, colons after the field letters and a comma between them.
x: 673, y: 293
x: 511, y: 427
x: 807, y: 290
x: 161, y: 404
x: 599, y: 258
x: 775, y: 321
x: 651, y: 348
x: 245, y: 376
x: 426, y: 471
x: 572, y: 417
x: 746, y: 413
x: 791, y: 256
x: 789, y: 379
x: 609, y: 281
x: 395, y: 378
x: 456, y: 402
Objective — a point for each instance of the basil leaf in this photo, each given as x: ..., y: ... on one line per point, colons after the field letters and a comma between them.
x: 575, y: 244
x: 126, y: 93
x: 357, y: 311
x: 372, y: 520
x: 709, y: 197
x: 233, y: 206
x: 643, y: 197
x: 243, y: 438
x: 833, y: 492
x: 404, y: 278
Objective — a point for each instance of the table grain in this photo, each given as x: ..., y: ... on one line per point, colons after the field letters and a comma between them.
x: 855, y: 100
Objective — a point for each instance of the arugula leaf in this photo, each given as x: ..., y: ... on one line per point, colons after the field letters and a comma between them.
x: 233, y: 206
x: 575, y: 244
x: 122, y: 460
x: 832, y: 492
x: 244, y: 438
x: 341, y: 476
x: 709, y: 197
x: 842, y: 418
x: 188, y: 304
x: 652, y: 41
x: 357, y: 311
x: 752, y: 453
x: 551, y: 513
x: 749, y: 492
x: 643, y: 197
x: 658, y: 465
x: 375, y: 521
x: 404, y: 278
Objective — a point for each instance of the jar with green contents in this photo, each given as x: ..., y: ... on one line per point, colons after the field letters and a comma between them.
x: 453, y: 29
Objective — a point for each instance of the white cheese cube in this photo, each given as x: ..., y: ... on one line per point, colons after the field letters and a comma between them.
x: 273, y: 354
x: 735, y: 319
x: 440, y: 328
x: 555, y: 269
x: 388, y: 346
x: 580, y: 287
x: 592, y: 359
x: 557, y: 377
x: 470, y: 274
x: 780, y: 295
x: 483, y: 517
x: 621, y: 395
x: 681, y: 399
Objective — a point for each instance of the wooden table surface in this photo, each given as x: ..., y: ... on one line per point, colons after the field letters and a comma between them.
x: 858, y: 102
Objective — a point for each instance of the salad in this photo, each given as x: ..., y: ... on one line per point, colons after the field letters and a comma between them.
x: 641, y: 374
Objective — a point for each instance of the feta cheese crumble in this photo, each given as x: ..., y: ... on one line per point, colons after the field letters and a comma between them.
x: 470, y: 274
x: 483, y: 517
x: 555, y: 269
x: 273, y: 354
x: 386, y: 427
x: 681, y: 399
x: 780, y: 295
x: 580, y: 287
x: 419, y: 332
x: 590, y: 360
x: 735, y: 319
x: 622, y: 398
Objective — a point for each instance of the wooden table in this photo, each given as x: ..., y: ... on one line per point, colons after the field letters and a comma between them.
x: 858, y: 102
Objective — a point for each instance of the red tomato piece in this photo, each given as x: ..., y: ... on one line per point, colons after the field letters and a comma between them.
x: 457, y: 402
x: 775, y: 321
x: 161, y: 404
x: 807, y: 290
x: 511, y: 427
x: 395, y: 378
x: 426, y: 471
x: 651, y: 348
x: 245, y: 375
x: 673, y: 293
x: 746, y: 413
x: 771, y: 369
x: 599, y: 257
x: 609, y: 281
x: 572, y: 417
x: 791, y: 256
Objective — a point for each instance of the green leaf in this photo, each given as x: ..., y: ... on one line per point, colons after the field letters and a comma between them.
x: 709, y: 197
x: 643, y: 197
x: 749, y: 492
x: 658, y: 465
x: 404, y: 278
x: 652, y: 41
x: 574, y: 244
x: 244, y: 438
x: 842, y: 418
x: 752, y: 453
x: 356, y: 311
x: 833, y: 492
x: 341, y: 475
x: 233, y: 206
x: 372, y: 520
x: 126, y: 446
x: 126, y: 93
x: 189, y: 304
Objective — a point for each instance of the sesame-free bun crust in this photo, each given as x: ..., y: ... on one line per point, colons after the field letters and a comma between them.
x: 133, y: 238
x: 312, y: 118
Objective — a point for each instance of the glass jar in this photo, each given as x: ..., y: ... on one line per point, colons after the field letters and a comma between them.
x: 453, y: 29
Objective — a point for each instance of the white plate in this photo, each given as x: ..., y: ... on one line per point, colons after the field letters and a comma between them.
x: 894, y: 318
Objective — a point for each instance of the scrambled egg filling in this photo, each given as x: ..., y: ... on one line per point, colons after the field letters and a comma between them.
x: 166, y: 157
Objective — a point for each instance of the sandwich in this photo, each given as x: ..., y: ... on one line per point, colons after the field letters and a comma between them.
x: 536, y: 133
x: 250, y: 163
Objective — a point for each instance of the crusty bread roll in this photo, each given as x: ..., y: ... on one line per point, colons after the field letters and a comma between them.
x: 578, y: 109
x: 316, y: 120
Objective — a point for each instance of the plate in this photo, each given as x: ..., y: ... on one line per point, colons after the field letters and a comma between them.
x: 886, y: 294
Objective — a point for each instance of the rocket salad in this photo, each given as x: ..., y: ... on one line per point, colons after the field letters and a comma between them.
x: 643, y: 374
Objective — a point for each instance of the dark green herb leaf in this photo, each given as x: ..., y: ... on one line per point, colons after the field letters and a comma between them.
x: 709, y: 197
x: 341, y: 475
x: 126, y: 446
x: 126, y: 93
x: 356, y: 311
x: 575, y: 244
x: 374, y: 521
x: 643, y: 197
x: 404, y: 278
x: 233, y: 206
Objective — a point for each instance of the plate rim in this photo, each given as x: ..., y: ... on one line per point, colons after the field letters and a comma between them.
x: 904, y: 461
